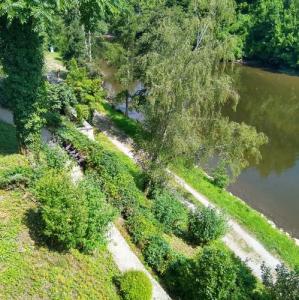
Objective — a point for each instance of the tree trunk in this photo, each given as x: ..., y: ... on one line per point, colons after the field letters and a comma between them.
x: 89, y: 46
x: 22, y: 59
x: 127, y: 105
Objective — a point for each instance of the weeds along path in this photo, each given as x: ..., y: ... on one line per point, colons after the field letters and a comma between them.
x: 243, y: 244
x: 122, y: 254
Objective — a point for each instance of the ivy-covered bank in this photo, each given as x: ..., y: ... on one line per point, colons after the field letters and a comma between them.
x: 273, y: 239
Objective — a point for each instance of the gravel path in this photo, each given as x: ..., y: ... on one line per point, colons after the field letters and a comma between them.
x: 244, y: 245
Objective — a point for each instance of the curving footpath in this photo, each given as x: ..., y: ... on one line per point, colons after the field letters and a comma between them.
x: 243, y: 244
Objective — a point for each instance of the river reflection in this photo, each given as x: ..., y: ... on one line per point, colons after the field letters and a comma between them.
x: 270, y: 102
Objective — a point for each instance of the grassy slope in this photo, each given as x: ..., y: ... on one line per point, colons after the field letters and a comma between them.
x: 28, y: 270
x: 31, y: 271
x: 274, y: 240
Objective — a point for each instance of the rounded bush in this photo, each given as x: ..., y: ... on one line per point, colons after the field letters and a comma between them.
x: 135, y: 285
x: 206, y: 224
x: 157, y: 253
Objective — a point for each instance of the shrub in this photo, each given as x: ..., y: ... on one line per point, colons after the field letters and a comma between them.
x: 59, y: 97
x: 220, y: 177
x: 169, y: 211
x: 206, y: 224
x: 100, y: 215
x: 72, y: 216
x: 55, y: 157
x: 178, y: 277
x: 83, y: 112
x: 285, y: 284
x: 157, y: 253
x: 87, y: 90
x: 135, y: 285
x: 141, y: 228
x: 215, y: 275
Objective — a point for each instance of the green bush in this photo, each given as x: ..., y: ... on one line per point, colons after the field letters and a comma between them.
x: 87, y: 90
x: 220, y: 177
x: 215, y: 275
x: 72, y: 216
x: 83, y: 113
x: 157, y: 253
x: 284, y: 285
x: 54, y: 157
x: 59, y: 97
x: 206, y: 224
x: 178, y: 277
x: 141, y: 228
x: 170, y: 212
x: 135, y: 285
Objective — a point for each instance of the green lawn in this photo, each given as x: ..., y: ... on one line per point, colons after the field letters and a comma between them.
x: 8, y: 142
x: 32, y: 271
x: 273, y: 239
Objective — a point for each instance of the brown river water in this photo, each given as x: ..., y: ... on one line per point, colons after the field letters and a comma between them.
x: 270, y: 102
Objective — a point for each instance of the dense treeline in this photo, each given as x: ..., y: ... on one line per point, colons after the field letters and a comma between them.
x: 269, y: 31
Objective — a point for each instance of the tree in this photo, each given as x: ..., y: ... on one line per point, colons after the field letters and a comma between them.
x: 21, y: 27
x: 182, y: 60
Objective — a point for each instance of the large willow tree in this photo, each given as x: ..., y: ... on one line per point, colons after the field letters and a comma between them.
x: 183, y: 54
x: 22, y: 24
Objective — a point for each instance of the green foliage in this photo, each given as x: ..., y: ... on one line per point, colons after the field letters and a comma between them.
x: 220, y: 177
x: 83, y: 113
x: 24, y: 85
x: 72, y: 216
x: 285, y: 284
x: 273, y: 239
x: 8, y: 139
x: 206, y: 224
x: 15, y: 171
x: 271, y: 31
x: 141, y: 228
x: 88, y: 91
x: 54, y: 157
x: 216, y: 273
x: 59, y: 97
x: 169, y: 211
x: 135, y: 285
x: 181, y: 59
x: 157, y: 253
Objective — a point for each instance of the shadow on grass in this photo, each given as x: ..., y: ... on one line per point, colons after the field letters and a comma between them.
x: 8, y: 139
x: 35, y: 225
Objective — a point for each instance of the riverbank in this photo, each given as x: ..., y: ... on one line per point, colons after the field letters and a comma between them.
x: 274, y: 240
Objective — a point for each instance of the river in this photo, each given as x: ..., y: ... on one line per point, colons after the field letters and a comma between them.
x: 270, y: 102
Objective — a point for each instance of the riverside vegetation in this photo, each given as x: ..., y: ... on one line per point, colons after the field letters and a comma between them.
x: 178, y: 49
